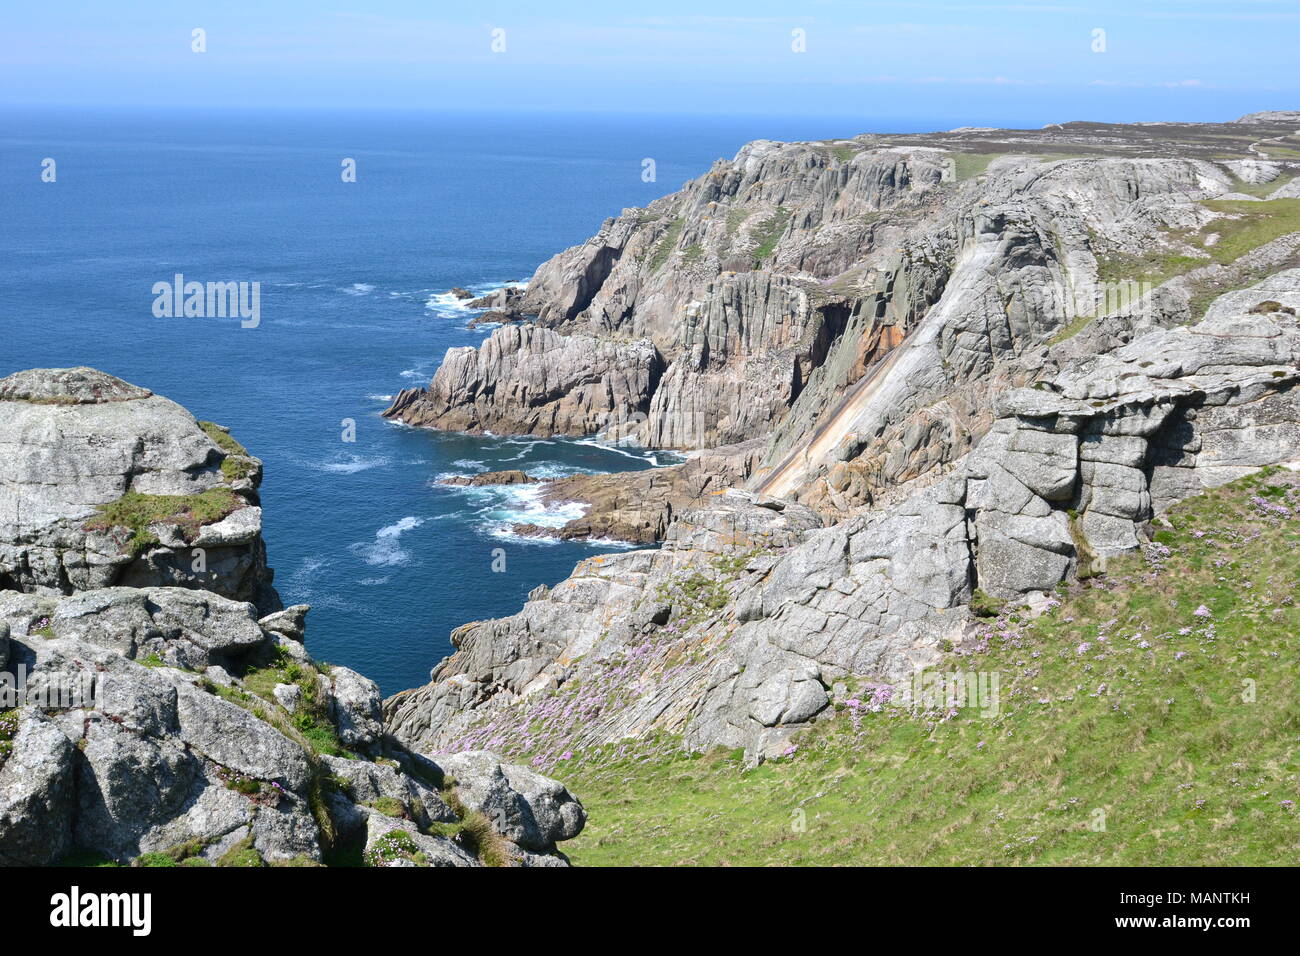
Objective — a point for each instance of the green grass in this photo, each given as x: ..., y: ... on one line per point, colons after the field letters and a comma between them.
x: 135, y: 512
x: 1257, y: 224
x: 664, y: 248
x: 242, y: 854
x: 1252, y: 224
x: 9, y: 721
x: 1279, y: 152
x: 1122, y: 706
x: 769, y: 232
x: 969, y: 165
x: 310, y: 721
x: 223, y: 439
x: 391, y: 807
x: 1069, y: 331
x: 238, y: 464
x: 1261, y: 190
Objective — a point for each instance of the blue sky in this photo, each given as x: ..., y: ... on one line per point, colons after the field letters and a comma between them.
x: 1029, y: 62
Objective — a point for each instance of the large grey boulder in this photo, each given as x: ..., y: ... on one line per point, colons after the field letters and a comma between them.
x: 526, y: 808
x: 36, y: 792
x: 185, y: 628
x: 73, y: 441
x: 142, y: 731
x: 357, y: 709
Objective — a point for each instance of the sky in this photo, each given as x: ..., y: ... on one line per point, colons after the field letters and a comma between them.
x: 978, y: 63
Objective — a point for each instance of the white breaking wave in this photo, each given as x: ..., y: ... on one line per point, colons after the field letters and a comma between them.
x: 302, y: 584
x: 647, y: 456
x: 551, y: 469
x: 352, y: 465
x: 524, y: 505
x: 447, y: 305
x: 471, y: 464
x: 498, y: 508
x: 386, y: 549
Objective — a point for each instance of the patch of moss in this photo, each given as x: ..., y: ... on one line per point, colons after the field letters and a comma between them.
x: 135, y: 512
x: 234, y: 468
x: 769, y: 232
x: 242, y: 854
x: 983, y: 604
x: 391, y: 807
x: 664, y: 248
x: 222, y: 438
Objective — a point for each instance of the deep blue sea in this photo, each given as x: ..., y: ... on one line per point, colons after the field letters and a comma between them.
x: 354, y: 306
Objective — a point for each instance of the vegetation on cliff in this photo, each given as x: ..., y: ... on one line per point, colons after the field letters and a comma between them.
x: 1150, y: 717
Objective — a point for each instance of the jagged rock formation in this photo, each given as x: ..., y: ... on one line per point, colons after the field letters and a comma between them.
x: 527, y: 379
x: 177, y: 721
x: 778, y: 288
x: 512, y: 476
x: 740, y: 630
x: 638, y: 506
x: 74, y: 442
x: 939, y: 344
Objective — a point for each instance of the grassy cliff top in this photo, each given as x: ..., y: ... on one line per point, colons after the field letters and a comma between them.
x: 1151, y: 718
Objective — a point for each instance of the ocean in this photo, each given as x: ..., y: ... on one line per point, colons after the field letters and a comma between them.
x: 355, y: 304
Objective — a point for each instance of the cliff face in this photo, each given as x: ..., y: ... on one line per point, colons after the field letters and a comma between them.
x: 753, y: 618
x: 532, y: 380
x: 103, y: 483
x: 978, y: 361
x: 180, y: 723
x: 772, y: 287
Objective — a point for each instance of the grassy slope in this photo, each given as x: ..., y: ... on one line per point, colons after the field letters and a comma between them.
x: 1246, y: 225
x: 1107, y: 703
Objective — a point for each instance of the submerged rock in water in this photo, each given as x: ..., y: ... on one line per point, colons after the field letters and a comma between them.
x: 509, y: 477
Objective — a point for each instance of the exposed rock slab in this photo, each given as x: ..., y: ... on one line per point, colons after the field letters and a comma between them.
x: 75, y: 440
x: 739, y: 637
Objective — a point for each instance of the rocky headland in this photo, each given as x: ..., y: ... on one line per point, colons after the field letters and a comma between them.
x: 923, y: 376
x: 923, y: 381
x: 159, y: 704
